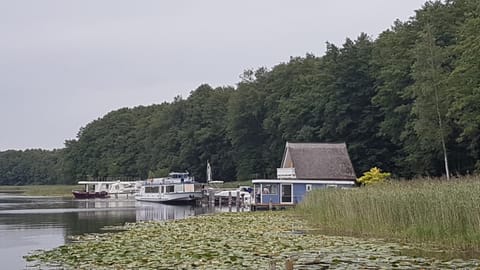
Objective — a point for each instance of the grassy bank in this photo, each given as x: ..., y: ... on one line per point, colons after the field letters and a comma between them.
x: 434, y: 211
x: 41, y: 190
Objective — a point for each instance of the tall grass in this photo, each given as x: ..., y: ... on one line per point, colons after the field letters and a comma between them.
x: 422, y: 210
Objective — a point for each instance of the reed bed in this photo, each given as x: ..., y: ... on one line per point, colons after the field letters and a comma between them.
x: 422, y: 210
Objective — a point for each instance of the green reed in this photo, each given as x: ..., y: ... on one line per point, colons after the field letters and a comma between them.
x: 421, y: 210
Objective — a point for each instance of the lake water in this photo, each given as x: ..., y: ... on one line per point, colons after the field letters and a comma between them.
x: 32, y: 223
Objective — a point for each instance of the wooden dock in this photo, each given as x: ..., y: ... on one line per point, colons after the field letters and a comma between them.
x: 270, y: 206
x: 234, y: 199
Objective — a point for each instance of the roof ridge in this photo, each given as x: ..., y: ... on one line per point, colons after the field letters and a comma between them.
x: 315, y: 142
x: 342, y: 144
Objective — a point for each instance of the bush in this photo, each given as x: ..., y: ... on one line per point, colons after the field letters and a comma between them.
x: 375, y: 175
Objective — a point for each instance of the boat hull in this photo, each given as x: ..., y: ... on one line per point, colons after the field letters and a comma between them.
x: 171, y: 198
x: 90, y: 195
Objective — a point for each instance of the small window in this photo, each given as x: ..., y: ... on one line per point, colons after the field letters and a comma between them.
x: 331, y: 186
x: 151, y: 189
x: 269, y: 188
x: 169, y: 189
x: 308, y: 188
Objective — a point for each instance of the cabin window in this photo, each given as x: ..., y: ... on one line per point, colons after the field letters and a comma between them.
x: 269, y: 188
x: 169, y: 189
x: 151, y: 189
x: 308, y: 188
x: 178, y: 188
x: 331, y: 186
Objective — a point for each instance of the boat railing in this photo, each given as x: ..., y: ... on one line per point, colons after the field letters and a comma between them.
x: 169, y: 181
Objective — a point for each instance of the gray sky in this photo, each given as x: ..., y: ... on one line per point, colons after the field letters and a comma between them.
x: 66, y: 63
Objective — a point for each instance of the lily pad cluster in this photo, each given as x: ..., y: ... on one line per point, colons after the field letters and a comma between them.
x: 259, y: 240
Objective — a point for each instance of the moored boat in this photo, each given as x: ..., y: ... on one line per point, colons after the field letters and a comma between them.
x: 80, y: 194
x: 106, y: 189
x: 243, y: 192
x: 177, y: 188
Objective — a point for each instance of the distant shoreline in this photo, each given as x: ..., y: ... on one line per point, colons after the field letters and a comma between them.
x: 11, y: 191
x: 41, y: 190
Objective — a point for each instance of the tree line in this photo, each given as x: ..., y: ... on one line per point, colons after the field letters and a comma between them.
x: 407, y: 102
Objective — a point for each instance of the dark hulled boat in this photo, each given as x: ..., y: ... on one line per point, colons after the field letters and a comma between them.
x: 89, y: 195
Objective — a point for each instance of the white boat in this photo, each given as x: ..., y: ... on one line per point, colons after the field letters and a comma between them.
x: 244, y: 192
x: 121, y: 189
x: 106, y: 189
x: 176, y: 188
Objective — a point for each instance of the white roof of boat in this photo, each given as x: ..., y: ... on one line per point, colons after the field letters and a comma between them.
x: 104, y: 182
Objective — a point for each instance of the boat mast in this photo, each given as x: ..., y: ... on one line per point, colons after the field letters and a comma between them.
x: 209, y: 172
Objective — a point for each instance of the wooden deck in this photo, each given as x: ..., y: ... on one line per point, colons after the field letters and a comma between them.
x: 270, y: 206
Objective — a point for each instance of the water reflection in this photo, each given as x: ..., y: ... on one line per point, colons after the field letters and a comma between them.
x: 154, y: 211
x: 31, y: 223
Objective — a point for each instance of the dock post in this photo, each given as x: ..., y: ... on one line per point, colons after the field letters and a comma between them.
x: 211, y: 198
x: 237, y: 201
x: 230, y: 201
x: 270, y: 206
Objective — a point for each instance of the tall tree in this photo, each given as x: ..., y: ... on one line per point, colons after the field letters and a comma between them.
x: 392, y: 62
x: 429, y: 91
x: 464, y: 83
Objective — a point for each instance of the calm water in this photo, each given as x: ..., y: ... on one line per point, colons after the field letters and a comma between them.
x: 31, y: 223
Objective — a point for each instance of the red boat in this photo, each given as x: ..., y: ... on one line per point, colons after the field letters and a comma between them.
x: 90, y: 195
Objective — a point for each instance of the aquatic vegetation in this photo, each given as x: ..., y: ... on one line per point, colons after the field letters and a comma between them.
x: 259, y: 240
x: 432, y: 211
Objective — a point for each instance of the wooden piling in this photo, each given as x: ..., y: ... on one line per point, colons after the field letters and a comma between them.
x: 237, y: 201
x: 211, y: 198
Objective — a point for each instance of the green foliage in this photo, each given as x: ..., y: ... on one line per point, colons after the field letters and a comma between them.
x: 403, y: 102
x: 373, y: 176
x: 31, y: 167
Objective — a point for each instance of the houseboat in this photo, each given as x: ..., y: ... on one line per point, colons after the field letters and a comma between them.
x: 106, y: 189
x: 179, y: 188
x: 305, y: 167
x: 92, y: 190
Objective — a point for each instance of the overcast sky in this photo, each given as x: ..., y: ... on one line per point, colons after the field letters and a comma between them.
x: 66, y: 63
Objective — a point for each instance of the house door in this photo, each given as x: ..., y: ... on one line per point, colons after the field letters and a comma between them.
x: 287, y: 193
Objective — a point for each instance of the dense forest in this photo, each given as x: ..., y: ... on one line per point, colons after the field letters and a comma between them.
x: 407, y: 102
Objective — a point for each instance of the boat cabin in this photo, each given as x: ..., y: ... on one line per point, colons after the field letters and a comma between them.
x: 305, y: 167
x: 176, y: 188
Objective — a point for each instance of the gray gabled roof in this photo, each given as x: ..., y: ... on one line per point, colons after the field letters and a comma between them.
x: 322, y: 161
